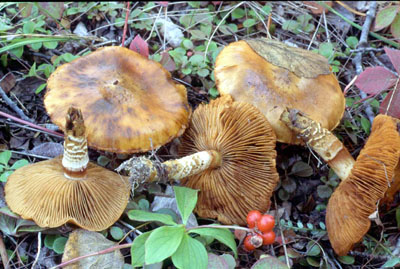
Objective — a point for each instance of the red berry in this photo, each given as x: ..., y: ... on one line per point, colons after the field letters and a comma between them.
x: 268, y: 238
x: 252, y: 217
x: 247, y: 243
x: 266, y: 223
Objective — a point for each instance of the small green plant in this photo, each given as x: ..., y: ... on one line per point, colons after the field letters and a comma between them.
x: 5, y: 169
x: 389, y: 16
x: 288, y: 183
x: 327, y: 50
x: 301, y: 24
x: 324, y: 191
x: 175, y: 240
x: 55, y: 242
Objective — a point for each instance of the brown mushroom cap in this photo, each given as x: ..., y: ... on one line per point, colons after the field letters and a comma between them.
x: 357, y: 196
x: 272, y: 76
x: 41, y: 192
x: 129, y: 103
x: 247, y: 175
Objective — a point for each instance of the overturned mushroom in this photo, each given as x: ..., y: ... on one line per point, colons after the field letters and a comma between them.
x: 272, y: 76
x: 129, y: 103
x: 364, y: 181
x: 357, y: 196
x: 229, y: 151
x: 69, y: 188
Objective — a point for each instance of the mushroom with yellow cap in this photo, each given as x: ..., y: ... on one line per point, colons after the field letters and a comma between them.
x: 272, y: 76
x: 129, y: 103
x: 68, y: 189
x: 229, y: 155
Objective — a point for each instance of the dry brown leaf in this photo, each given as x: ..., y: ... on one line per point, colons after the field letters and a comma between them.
x: 82, y: 242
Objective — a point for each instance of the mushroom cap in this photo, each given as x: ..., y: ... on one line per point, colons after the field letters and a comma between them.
x: 357, y: 196
x: 272, y: 76
x: 247, y: 176
x: 129, y: 103
x: 42, y: 193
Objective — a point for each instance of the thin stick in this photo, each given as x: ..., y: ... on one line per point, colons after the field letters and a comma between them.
x: 358, y: 58
x: 3, y: 253
x: 126, y: 23
x: 30, y: 124
x: 39, y: 247
x: 14, y: 107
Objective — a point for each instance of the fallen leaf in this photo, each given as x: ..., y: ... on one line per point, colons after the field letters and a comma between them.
x: 82, y: 242
x: 167, y: 61
x: 269, y: 262
x: 394, y: 56
x: 391, y: 104
x: 140, y: 46
x: 8, y: 82
x: 48, y: 149
x: 375, y: 79
x: 385, y: 17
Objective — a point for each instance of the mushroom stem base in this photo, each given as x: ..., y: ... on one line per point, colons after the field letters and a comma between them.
x: 142, y: 169
x: 321, y: 140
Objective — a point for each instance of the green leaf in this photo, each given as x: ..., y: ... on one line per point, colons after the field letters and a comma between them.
x: 324, y: 191
x: 137, y: 249
x: 249, y: 22
x: 289, y: 185
x: 4, y: 61
x: 187, y: 44
x: 40, y: 88
x: 291, y: 25
x: 190, y: 254
x: 221, y: 234
x: 19, y: 164
x: 163, y: 242
x: 301, y: 169
x: 116, y: 233
x: 395, y: 27
x: 346, y: 259
x: 366, y: 125
x: 313, y: 262
x: 5, y: 175
x: 103, y: 160
x: 352, y: 41
x: 238, y: 13
x: 18, y: 51
x: 140, y: 215
x: 196, y: 59
x: 398, y: 217
x: 269, y: 262
x: 186, y: 200
x: 326, y: 50
x: 392, y: 262
x: 59, y: 245
x: 213, y: 92
x: 5, y: 157
x: 313, y: 249
x: 50, y: 44
x: 29, y: 27
x: 203, y: 72
x: 49, y: 240
x: 385, y: 17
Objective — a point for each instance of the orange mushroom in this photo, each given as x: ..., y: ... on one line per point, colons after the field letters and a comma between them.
x: 272, y: 76
x: 229, y: 154
x: 129, y: 103
x: 69, y: 188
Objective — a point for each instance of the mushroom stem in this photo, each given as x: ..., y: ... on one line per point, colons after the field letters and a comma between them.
x: 321, y: 140
x: 76, y: 157
x: 143, y: 169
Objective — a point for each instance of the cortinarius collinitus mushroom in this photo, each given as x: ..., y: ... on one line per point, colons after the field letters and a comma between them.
x: 69, y: 188
x: 129, y: 103
x: 229, y: 151
x: 272, y: 76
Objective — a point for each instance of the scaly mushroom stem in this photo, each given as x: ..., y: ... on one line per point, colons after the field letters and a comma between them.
x: 142, y: 169
x: 76, y: 157
x: 321, y: 140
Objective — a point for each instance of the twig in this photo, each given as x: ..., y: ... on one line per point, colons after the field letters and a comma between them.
x: 126, y: 23
x: 14, y: 107
x: 3, y: 252
x: 377, y: 36
x: 30, y: 124
x: 357, y: 59
x: 350, y: 9
x: 38, y: 252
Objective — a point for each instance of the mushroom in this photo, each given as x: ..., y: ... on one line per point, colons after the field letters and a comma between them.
x: 357, y: 196
x: 129, y: 103
x: 229, y: 151
x: 364, y: 182
x: 68, y: 188
x: 272, y: 76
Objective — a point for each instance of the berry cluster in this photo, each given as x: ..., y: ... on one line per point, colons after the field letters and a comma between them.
x: 262, y: 233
